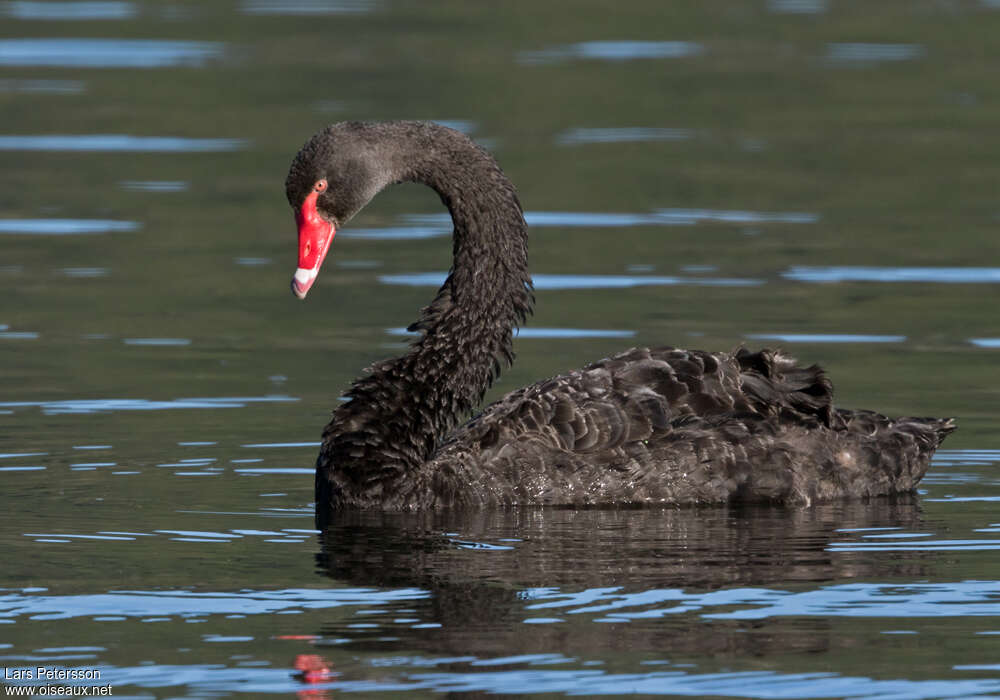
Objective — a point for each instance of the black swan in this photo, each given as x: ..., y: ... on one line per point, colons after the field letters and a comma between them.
x: 646, y: 426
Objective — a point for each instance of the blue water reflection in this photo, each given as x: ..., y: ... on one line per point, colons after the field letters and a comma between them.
x: 418, y: 226
x: 748, y: 684
x: 873, y: 53
x: 922, y: 545
x: 89, y: 406
x: 612, y: 51
x: 881, y: 600
x: 107, y: 53
x: 281, y: 444
x: 798, y: 7
x: 666, y: 217
x: 827, y: 338
x: 157, y: 342
x: 42, y: 85
x: 179, y: 603
x: 77, y: 10
x: 543, y: 281
x: 154, y: 185
x: 622, y: 135
x: 65, y: 227
x: 397, y: 233
x: 19, y: 335
x: 953, y: 275
x: 85, y: 272
x: 119, y: 142
x: 306, y: 7
x: 966, y: 456
x: 276, y: 470
x: 975, y: 598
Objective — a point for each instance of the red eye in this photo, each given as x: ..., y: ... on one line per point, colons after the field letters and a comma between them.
x: 320, y: 186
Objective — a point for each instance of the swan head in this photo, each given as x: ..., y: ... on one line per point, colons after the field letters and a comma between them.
x: 335, y: 174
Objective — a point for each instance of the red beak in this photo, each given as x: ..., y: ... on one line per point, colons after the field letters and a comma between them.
x: 315, y: 236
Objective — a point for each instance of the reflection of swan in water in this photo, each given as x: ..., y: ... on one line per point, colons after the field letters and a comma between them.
x: 645, y: 426
x: 481, y: 597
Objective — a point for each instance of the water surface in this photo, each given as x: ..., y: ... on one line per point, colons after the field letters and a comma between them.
x: 106, y: 53
x: 785, y: 173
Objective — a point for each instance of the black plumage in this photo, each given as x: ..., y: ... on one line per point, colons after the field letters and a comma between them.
x: 646, y: 426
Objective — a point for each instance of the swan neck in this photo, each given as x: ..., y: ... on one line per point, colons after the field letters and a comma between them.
x: 399, y: 413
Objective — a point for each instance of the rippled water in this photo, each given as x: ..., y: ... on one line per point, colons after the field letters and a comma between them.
x: 953, y: 275
x: 106, y: 53
x: 77, y: 10
x: 793, y: 173
x: 612, y: 51
x: 115, y: 142
x: 419, y: 226
x: 542, y: 281
x: 751, y: 602
x: 59, y: 227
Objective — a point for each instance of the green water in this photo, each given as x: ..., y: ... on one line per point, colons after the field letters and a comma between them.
x: 690, y: 143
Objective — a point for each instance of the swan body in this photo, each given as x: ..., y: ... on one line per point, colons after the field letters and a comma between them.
x: 645, y: 426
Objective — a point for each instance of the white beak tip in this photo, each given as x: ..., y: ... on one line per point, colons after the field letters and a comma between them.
x: 302, y: 281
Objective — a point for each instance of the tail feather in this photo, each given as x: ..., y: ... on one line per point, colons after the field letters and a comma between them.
x: 943, y: 427
x: 774, y: 383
